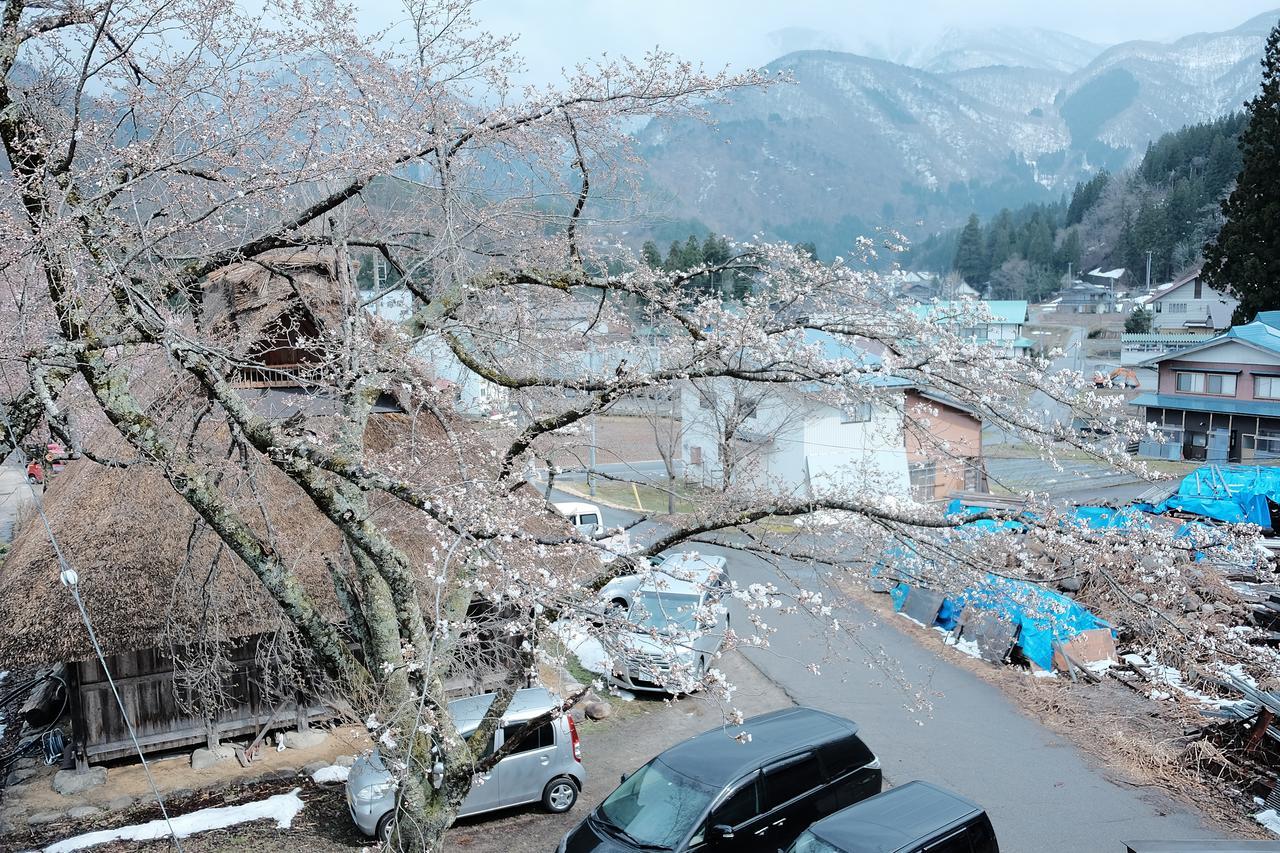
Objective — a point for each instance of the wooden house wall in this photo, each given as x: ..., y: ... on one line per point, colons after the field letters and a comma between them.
x: 145, y: 680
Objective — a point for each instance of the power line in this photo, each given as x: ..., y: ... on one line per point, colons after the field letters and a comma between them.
x: 71, y: 580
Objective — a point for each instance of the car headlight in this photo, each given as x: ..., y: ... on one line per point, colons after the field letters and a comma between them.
x: 375, y: 791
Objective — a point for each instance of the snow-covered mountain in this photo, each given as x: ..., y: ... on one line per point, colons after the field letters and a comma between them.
x: 986, y: 120
x: 1023, y: 47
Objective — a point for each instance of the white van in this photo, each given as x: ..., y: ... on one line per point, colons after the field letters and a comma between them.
x: 584, y: 516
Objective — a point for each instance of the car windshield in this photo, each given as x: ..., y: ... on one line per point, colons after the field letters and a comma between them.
x: 810, y: 843
x: 664, y: 610
x: 656, y: 806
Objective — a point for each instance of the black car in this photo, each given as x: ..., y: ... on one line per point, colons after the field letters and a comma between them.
x: 914, y: 818
x: 723, y: 790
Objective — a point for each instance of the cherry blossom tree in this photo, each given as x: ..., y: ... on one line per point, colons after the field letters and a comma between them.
x: 153, y: 145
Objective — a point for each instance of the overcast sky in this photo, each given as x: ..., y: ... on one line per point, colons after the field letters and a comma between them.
x: 745, y: 33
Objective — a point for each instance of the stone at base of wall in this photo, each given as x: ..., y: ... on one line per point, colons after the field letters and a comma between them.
x: 305, y: 739
x: 203, y: 759
x: 71, y: 782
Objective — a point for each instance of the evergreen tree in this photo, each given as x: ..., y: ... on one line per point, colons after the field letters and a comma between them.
x: 675, y: 260
x: 650, y: 255
x: 1068, y: 255
x: 715, y: 250
x: 1245, y: 256
x: 971, y: 253
x: 691, y: 254
x: 1086, y: 195
x: 1139, y: 322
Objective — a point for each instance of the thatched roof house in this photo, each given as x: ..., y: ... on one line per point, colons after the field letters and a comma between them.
x: 158, y: 583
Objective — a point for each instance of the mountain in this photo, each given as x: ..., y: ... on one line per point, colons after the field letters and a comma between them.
x: 857, y: 142
x: 1046, y: 50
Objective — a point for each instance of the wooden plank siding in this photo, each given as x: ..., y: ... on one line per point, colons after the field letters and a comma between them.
x: 145, y: 680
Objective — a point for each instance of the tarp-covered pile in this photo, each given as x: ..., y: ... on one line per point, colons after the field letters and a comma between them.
x: 1232, y: 493
x: 1041, y: 617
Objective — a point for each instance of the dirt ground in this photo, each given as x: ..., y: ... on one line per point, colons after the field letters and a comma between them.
x: 637, y: 731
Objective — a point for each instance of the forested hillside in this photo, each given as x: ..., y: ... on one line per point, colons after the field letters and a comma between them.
x: 1168, y: 205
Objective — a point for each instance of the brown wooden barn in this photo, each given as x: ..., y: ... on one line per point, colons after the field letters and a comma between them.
x: 161, y: 589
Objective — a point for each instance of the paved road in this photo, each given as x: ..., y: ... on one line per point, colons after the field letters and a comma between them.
x: 1044, y: 795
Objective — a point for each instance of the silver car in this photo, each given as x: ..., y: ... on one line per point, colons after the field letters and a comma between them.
x: 668, y: 641
x: 546, y: 766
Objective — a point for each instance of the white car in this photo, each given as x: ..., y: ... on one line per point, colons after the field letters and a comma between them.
x: 584, y: 516
x: 674, y: 623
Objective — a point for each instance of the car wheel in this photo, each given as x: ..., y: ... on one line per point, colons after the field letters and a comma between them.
x: 386, y: 825
x: 559, y: 795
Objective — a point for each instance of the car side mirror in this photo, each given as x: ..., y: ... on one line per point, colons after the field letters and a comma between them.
x: 721, y: 832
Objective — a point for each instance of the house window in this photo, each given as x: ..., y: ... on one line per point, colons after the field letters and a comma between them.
x: 923, y: 477
x: 859, y: 413
x: 972, y: 475
x: 1198, y: 289
x: 380, y: 269
x: 1266, y: 387
x: 705, y: 400
x: 748, y: 408
x: 1219, y: 384
x: 1177, y: 307
x: 695, y: 455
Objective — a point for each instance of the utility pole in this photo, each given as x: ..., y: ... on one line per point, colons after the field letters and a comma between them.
x: 591, y: 449
x: 1148, y: 270
x: 591, y: 464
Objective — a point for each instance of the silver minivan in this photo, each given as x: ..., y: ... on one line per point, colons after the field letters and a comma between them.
x: 546, y: 767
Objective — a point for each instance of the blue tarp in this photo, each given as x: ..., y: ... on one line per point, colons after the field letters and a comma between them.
x: 1102, y: 517
x: 1230, y: 493
x: 1041, y: 616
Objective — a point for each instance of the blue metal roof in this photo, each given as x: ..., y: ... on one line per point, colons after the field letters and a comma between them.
x: 1263, y: 333
x: 1223, y: 406
x: 1003, y: 310
x: 836, y: 349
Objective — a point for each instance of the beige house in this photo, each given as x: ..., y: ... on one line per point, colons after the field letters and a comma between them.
x: 944, y: 446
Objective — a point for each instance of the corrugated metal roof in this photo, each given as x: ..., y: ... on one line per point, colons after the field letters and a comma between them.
x: 1225, y: 406
x: 1263, y: 334
x: 836, y: 348
x: 1003, y: 310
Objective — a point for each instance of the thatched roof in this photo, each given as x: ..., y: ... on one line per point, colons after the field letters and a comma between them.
x: 146, y: 561
x: 278, y: 295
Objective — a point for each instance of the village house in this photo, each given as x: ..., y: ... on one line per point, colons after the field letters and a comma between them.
x: 997, y: 323
x: 1219, y: 401
x: 199, y: 652
x: 1188, y: 305
x: 901, y: 441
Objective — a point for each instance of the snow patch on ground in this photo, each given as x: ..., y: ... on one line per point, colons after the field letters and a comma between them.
x: 588, y: 650
x: 912, y: 619
x: 282, y: 808
x: 624, y: 695
x: 1172, y: 677
x: 961, y: 644
x: 332, y: 773
x: 1269, y: 819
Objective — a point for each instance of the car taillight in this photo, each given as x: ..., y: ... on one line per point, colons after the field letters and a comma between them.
x: 577, y: 744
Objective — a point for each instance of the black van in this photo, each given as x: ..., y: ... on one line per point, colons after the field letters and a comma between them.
x: 713, y: 792
x: 914, y: 818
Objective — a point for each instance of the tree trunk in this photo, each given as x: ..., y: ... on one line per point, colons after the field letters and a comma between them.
x: 425, y: 816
